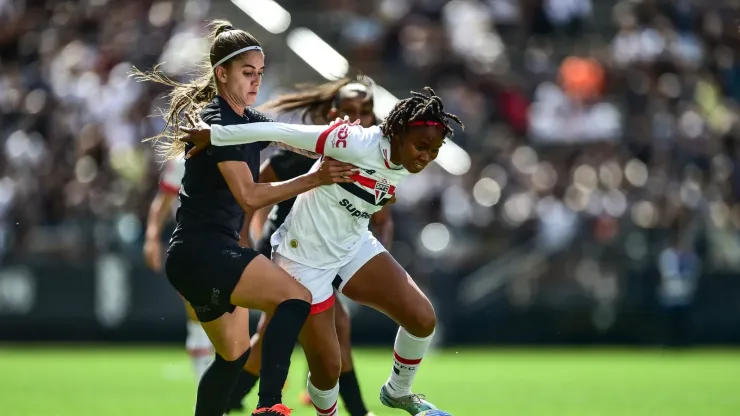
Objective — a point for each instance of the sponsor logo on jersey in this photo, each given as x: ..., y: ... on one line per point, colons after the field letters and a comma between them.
x: 352, y: 210
x: 341, y: 140
x: 381, y: 190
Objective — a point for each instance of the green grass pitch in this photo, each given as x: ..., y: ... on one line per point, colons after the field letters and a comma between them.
x: 115, y: 381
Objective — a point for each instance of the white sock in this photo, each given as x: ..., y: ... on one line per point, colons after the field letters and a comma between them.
x: 407, y: 354
x: 199, y: 348
x: 325, y: 402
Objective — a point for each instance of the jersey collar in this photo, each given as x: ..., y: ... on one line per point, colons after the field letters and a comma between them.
x: 385, y: 150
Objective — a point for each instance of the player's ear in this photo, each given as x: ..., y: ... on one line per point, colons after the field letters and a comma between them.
x: 221, y: 73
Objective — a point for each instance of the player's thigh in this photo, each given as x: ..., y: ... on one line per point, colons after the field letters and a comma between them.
x: 189, y: 311
x: 264, y: 286
x: 229, y: 333
x: 321, y: 346
x: 384, y: 285
x: 343, y: 328
x: 317, y: 281
x: 205, y: 273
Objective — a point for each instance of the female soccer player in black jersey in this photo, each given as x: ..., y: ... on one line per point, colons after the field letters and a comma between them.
x: 320, y: 104
x: 205, y: 262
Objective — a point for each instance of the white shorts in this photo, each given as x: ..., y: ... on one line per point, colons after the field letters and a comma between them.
x: 322, y: 282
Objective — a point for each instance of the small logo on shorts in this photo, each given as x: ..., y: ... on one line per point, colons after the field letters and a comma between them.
x: 214, y: 296
x: 293, y: 243
x: 202, y: 309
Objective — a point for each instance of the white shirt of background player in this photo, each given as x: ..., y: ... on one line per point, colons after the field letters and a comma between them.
x: 171, y: 180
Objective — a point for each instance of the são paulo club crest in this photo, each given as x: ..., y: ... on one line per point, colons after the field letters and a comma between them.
x: 381, y: 190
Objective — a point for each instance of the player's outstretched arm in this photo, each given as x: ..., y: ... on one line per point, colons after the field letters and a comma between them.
x: 252, y: 196
x: 333, y: 140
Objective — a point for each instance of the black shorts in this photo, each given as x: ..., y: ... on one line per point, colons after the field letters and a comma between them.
x: 205, y: 270
x: 264, y: 247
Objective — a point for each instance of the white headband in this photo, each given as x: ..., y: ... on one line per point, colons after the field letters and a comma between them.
x: 233, y: 54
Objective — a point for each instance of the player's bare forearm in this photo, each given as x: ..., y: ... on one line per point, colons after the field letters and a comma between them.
x: 383, y: 226
x: 244, y: 237
x: 384, y: 233
x: 264, y: 194
x: 159, y: 211
x: 258, y: 221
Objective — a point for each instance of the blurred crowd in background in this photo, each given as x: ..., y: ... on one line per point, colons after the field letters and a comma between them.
x: 603, y: 135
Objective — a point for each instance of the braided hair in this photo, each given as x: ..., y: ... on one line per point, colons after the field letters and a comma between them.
x: 418, y: 107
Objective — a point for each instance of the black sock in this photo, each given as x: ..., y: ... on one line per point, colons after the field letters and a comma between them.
x: 216, y: 385
x: 281, y: 335
x: 349, y: 389
x: 244, y: 385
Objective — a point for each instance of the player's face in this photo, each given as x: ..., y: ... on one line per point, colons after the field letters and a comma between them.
x: 355, y: 109
x: 420, y: 146
x: 244, y: 76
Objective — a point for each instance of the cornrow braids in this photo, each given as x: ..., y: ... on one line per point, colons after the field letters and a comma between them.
x: 418, y: 107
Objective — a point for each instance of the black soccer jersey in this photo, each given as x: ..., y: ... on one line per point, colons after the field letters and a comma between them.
x: 206, y: 203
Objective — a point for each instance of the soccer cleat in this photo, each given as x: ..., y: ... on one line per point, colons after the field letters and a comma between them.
x: 277, y: 410
x: 370, y: 414
x: 413, y: 403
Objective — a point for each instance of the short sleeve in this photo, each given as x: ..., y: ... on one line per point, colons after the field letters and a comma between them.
x: 171, y: 179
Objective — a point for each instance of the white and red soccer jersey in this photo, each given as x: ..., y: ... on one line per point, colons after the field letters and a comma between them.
x: 171, y: 180
x: 328, y: 224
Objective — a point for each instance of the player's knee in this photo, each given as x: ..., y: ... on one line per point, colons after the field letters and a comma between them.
x: 295, y: 291
x: 325, y: 371
x: 423, y: 321
x: 234, y: 351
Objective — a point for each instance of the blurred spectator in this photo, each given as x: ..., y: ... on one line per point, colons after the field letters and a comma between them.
x: 679, y: 271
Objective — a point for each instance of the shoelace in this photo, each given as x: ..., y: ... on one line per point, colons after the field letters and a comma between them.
x: 415, y: 398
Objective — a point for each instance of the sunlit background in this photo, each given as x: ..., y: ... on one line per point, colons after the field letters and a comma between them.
x: 591, y: 203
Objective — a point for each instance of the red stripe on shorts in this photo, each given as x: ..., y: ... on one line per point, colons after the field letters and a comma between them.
x: 322, y: 306
x: 169, y: 189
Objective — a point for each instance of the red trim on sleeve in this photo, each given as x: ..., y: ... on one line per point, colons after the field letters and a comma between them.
x: 321, y: 142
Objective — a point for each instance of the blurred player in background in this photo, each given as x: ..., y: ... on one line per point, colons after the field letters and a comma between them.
x: 197, y: 344
x: 351, y: 98
x: 325, y: 242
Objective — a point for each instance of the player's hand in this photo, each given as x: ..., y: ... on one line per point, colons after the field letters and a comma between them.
x: 153, y: 254
x: 333, y: 171
x: 199, y: 134
x: 345, y: 120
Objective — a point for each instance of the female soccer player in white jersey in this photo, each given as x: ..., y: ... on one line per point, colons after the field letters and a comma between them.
x: 197, y: 344
x: 325, y: 243
x: 347, y: 97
